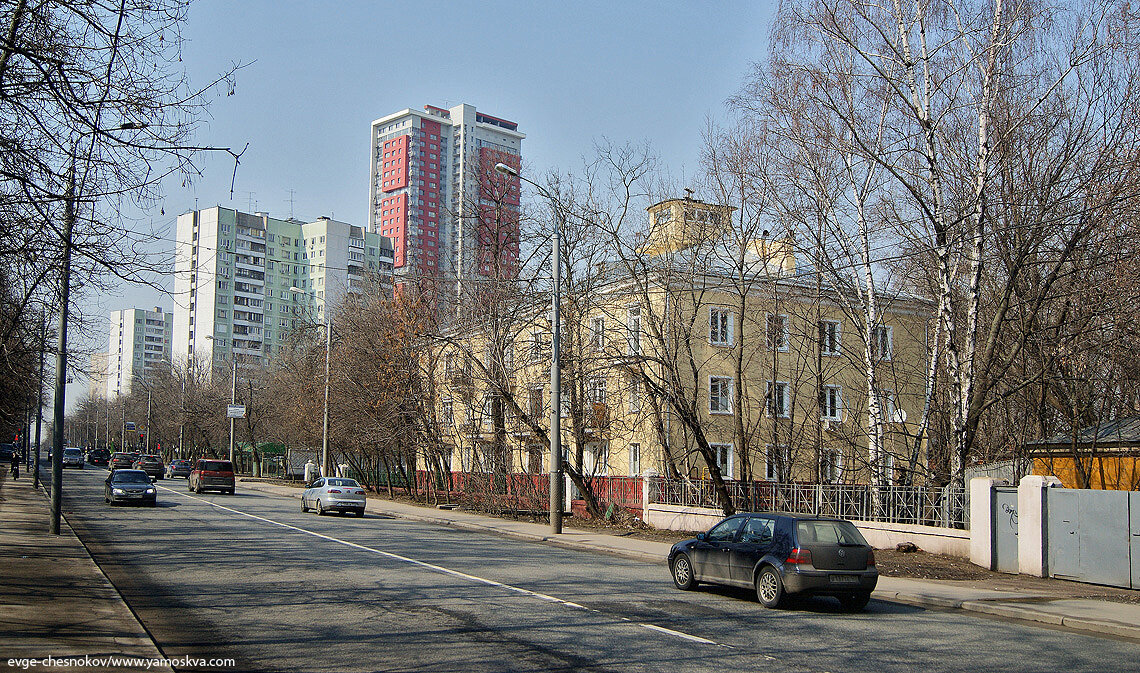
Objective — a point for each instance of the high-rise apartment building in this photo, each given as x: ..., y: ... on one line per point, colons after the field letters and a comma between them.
x: 237, y: 277
x: 138, y: 348
x: 435, y: 192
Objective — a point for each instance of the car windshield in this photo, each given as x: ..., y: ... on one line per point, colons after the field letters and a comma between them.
x: 828, y: 532
x: 131, y: 477
x: 72, y: 452
x: 344, y: 482
x: 217, y: 466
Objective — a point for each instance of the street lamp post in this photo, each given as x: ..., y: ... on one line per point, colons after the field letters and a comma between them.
x: 69, y: 217
x: 555, y: 352
x: 326, y: 469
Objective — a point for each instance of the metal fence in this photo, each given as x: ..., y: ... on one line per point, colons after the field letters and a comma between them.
x: 921, y: 505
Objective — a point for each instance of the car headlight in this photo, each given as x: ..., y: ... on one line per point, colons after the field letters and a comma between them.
x: 118, y: 491
x: 150, y: 490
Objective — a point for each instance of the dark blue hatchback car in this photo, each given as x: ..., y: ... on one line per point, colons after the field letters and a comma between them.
x: 780, y: 555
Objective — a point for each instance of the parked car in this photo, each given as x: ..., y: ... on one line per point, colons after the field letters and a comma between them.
x: 6, y: 453
x: 212, y: 475
x: 333, y: 494
x: 73, y: 457
x: 179, y: 468
x: 122, y: 460
x: 129, y: 486
x: 151, y: 464
x: 780, y: 555
x: 99, y: 457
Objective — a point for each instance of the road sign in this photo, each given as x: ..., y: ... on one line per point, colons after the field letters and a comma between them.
x: 130, y: 426
x: 235, y: 411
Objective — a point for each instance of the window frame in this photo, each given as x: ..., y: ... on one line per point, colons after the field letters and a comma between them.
x: 785, y: 335
x: 727, y: 399
x: 785, y: 389
x: 721, y: 326
x: 830, y: 340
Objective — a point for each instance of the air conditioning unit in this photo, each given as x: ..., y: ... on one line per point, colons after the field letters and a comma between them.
x: 831, y: 424
x: 898, y: 416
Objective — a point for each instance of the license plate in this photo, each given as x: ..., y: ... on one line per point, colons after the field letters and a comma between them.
x: 844, y: 579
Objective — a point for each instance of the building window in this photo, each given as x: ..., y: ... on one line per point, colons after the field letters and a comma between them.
x: 596, y: 389
x: 535, y: 406
x: 831, y: 403
x: 777, y: 332
x: 830, y: 466
x: 887, y: 407
x: 634, y: 395
x: 633, y: 330
x: 778, y: 399
x: 829, y: 337
x: 634, y: 459
x: 720, y: 327
x: 723, y: 458
x: 777, y: 462
x: 881, y: 342
x: 720, y: 395
x: 446, y: 413
x: 598, y: 333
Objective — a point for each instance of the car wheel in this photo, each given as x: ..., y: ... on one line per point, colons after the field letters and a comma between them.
x: 304, y: 505
x: 360, y: 514
x: 154, y: 503
x: 855, y: 602
x: 682, y: 572
x: 320, y: 510
x: 769, y: 588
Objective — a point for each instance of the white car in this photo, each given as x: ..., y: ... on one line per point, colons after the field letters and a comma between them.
x: 333, y: 494
x: 73, y: 457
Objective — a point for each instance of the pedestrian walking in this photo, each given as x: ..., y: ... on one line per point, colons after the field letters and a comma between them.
x: 15, y: 465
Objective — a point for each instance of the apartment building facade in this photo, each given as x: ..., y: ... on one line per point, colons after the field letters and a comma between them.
x: 434, y: 191
x: 773, y: 376
x: 138, y: 348
x: 243, y: 281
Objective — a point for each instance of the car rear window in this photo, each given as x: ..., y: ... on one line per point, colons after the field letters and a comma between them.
x: 217, y: 466
x: 72, y: 452
x: 828, y: 532
x: 343, y: 482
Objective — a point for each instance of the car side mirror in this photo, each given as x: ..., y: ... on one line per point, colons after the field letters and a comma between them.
x: 701, y: 537
x: 153, y: 479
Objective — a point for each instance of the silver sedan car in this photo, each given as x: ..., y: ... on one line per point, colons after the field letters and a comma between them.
x: 333, y: 494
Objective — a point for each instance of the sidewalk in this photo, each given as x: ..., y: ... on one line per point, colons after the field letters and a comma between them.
x: 1102, y: 617
x: 54, y: 601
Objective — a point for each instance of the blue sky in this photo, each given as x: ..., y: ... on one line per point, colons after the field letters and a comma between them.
x: 569, y: 73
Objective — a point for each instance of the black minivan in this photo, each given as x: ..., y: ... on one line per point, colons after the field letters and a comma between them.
x: 780, y: 555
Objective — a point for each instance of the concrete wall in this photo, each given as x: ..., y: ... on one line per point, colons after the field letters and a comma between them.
x: 879, y: 535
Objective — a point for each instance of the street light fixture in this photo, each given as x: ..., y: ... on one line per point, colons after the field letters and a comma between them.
x: 555, y: 352
x: 326, y: 469
x: 69, y: 217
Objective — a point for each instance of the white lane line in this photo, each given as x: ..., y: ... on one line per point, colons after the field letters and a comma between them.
x: 448, y: 571
x: 678, y: 634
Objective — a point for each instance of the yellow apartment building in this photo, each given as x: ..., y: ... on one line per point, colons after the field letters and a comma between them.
x: 765, y: 364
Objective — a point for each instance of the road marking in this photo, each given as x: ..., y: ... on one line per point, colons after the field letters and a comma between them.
x: 454, y: 573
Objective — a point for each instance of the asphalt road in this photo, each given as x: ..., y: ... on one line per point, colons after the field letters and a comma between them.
x: 250, y: 577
